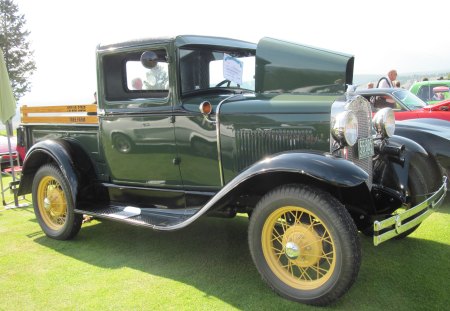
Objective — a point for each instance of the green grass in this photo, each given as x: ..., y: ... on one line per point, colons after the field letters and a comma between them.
x: 207, y: 266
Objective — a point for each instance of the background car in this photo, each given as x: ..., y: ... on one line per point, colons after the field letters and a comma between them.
x: 405, y: 104
x: 433, y: 135
x: 426, y: 90
x: 4, y: 149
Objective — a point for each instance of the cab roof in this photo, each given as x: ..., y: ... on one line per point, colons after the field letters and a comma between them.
x: 180, y: 41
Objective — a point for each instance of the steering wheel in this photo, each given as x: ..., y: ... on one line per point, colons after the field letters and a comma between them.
x: 228, y: 82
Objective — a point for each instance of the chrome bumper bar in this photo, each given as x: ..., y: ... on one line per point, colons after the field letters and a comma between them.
x: 410, y: 218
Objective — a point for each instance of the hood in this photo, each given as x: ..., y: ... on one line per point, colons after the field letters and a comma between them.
x: 286, y: 67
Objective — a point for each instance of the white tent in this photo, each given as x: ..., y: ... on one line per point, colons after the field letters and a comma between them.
x: 7, y: 111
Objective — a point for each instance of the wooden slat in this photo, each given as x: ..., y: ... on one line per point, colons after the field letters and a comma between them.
x: 68, y: 108
x: 61, y: 114
x: 58, y: 119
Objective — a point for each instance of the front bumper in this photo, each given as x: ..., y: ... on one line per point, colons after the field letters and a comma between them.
x: 397, y: 224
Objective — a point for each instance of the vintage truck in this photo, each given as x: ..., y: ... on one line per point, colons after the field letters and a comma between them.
x: 191, y: 126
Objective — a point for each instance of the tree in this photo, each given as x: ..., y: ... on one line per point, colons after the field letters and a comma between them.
x: 16, y: 48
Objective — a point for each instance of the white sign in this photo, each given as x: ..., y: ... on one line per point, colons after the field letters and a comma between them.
x: 232, y: 69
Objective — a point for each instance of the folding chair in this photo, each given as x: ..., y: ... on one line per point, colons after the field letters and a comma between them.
x: 13, y: 186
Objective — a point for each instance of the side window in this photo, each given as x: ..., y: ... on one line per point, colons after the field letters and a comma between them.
x: 424, y: 93
x: 143, y: 79
x: 126, y: 78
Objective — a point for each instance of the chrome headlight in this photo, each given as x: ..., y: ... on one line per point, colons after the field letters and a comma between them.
x: 384, y: 122
x: 345, y: 128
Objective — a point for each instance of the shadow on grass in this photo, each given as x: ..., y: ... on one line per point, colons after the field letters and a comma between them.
x: 212, y: 255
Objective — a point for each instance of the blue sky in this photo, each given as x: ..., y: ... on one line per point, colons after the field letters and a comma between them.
x: 381, y: 34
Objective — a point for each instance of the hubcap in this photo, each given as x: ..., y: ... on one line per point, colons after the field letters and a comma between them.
x: 307, y: 244
x: 292, y: 250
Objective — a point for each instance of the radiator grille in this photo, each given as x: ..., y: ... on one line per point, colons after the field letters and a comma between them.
x: 361, y: 108
x: 253, y: 145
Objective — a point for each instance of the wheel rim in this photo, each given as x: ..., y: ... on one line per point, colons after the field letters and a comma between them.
x: 298, y: 248
x: 52, y: 203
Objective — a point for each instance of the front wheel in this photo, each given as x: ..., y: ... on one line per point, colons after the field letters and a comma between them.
x: 53, y: 204
x: 417, y: 187
x: 304, y: 244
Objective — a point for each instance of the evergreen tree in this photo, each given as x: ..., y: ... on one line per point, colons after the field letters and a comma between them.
x: 16, y: 49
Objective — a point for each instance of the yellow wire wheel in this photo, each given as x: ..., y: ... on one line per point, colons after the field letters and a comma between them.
x: 298, y: 247
x: 304, y: 244
x: 52, y: 202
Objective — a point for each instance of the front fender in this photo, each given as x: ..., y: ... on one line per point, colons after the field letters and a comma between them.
x: 391, y: 172
x: 411, y: 145
x: 57, y: 151
x: 323, y: 167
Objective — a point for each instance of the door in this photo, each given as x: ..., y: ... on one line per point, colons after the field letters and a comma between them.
x: 136, y: 120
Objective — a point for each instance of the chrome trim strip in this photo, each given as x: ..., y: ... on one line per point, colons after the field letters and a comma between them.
x: 426, y: 208
x: 219, y: 154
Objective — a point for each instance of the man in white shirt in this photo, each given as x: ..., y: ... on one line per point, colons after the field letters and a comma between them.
x: 387, y: 82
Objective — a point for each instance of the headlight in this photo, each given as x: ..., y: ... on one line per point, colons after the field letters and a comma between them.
x: 384, y: 122
x: 345, y: 128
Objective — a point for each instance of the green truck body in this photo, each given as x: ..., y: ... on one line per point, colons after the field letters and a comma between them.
x: 191, y: 126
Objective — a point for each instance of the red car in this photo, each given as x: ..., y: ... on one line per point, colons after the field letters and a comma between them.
x: 4, y: 148
x: 406, y: 105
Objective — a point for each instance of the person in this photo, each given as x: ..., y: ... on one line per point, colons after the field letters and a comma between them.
x: 438, y: 96
x: 387, y: 82
x: 137, y: 84
x: 396, y: 83
x: 370, y: 85
x: 95, y: 98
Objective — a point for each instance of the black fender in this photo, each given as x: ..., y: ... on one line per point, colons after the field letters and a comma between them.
x: 391, y: 171
x: 46, y: 151
x: 325, y: 168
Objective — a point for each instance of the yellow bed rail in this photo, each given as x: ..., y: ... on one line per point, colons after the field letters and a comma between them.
x: 78, y: 114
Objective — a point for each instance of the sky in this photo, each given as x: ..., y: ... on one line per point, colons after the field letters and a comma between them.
x: 382, y: 35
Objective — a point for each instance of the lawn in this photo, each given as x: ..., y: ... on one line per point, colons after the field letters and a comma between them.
x: 207, y: 266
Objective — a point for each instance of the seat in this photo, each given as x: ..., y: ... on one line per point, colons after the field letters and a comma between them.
x: 16, y: 171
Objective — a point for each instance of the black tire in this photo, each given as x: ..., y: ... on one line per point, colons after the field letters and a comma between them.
x: 53, y: 204
x: 418, y: 188
x: 304, y: 244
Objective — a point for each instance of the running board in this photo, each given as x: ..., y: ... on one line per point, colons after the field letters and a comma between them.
x: 154, y: 218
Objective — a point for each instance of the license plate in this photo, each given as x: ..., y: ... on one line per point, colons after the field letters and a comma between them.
x: 365, y: 148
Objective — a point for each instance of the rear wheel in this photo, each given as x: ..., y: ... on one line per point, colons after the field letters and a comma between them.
x: 53, y: 204
x: 304, y: 244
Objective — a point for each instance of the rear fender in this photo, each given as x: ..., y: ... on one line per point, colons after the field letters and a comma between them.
x: 47, y: 151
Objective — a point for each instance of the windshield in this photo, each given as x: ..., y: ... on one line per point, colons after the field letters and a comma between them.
x: 409, y: 99
x: 203, y: 69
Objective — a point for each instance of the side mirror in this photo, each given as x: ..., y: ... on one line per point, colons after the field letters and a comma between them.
x: 149, y: 59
